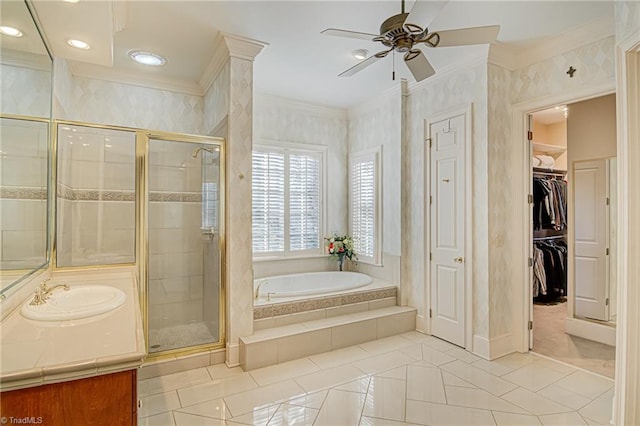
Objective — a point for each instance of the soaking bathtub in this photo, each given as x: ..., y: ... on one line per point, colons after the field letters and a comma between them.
x: 308, y: 284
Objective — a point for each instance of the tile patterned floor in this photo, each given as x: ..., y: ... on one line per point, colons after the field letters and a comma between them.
x: 401, y: 380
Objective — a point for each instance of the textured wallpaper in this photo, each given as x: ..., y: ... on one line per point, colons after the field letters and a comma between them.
x: 62, y: 88
x: 25, y: 91
x: 379, y: 123
x: 216, y: 100
x: 502, y: 245
x: 104, y: 102
x: 627, y: 19
x: 594, y: 62
x: 458, y: 89
x: 278, y: 120
x: 239, y: 244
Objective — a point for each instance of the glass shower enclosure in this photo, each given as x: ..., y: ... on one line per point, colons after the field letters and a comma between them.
x: 154, y: 201
x: 184, y: 206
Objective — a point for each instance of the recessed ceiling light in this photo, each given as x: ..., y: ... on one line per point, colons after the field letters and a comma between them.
x: 10, y: 31
x: 78, y: 44
x: 71, y: 1
x: 360, y: 53
x: 147, y: 58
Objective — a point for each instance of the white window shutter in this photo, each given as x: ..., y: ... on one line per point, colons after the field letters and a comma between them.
x: 364, y: 206
x: 268, y: 206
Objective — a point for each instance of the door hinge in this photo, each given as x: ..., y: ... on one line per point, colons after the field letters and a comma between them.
x: 530, y: 135
x: 430, y: 256
x: 607, y: 251
x: 430, y: 143
x: 530, y: 262
x: 430, y: 313
x: 430, y: 199
x: 608, y: 201
x: 530, y: 198
x: 530, y: 325
x: 606, y: 301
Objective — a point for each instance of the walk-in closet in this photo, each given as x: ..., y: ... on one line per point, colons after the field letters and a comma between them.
x: 573, y: 208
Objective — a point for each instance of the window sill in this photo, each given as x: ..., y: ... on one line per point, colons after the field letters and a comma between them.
x: 285, y: 258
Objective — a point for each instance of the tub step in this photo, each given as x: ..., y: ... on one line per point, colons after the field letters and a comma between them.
x: 280, y: 344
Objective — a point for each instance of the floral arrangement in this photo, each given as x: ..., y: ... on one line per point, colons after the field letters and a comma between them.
x: 339, y: 247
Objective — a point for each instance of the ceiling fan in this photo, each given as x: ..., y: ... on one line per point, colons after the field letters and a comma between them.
x: 402, y: 33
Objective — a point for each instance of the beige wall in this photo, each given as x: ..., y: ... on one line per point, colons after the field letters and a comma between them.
x: 591, y: 129
x: 552, y: 134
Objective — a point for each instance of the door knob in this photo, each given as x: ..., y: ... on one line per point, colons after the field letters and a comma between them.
x: 458, y: 259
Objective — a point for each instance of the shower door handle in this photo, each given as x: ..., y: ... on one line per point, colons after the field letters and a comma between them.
x: 458, y: 259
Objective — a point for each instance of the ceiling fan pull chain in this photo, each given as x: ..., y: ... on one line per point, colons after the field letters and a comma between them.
x: 393, y: 60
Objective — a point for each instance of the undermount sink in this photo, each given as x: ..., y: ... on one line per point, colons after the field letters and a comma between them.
x: 80, y: 301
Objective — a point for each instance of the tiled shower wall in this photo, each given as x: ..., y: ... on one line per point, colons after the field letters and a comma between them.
x: 177, y: 246
x: 23, y: 184
x: 96, y: 196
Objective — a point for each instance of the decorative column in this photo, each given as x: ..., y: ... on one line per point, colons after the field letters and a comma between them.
x: 232, y: 90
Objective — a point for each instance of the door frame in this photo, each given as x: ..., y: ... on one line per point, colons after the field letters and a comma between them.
x: 466, y: 110
x: 627, y: 379
x: 521, y: 160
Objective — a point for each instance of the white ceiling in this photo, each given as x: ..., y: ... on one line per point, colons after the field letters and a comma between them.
x: 550, y: 115
x: 299, y: 63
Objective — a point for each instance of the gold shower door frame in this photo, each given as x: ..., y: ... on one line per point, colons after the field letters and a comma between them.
x: 143, y: 137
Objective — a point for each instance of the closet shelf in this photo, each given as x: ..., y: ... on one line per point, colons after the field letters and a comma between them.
x: 543, y: 148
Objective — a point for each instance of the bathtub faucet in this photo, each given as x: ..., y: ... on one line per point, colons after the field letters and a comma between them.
x: 257, y: 292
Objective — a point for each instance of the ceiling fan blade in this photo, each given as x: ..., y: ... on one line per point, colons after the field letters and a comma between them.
x: 465, y: 36
x: 359, y: 66
x: 424, y: 12
x: 419, y: 66
x: 349, y: 34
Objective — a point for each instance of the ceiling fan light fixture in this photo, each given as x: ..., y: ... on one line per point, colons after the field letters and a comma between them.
x: 78, y: 44
x: 10, y: 31
x: 147, y: 58
x: 360, y: 53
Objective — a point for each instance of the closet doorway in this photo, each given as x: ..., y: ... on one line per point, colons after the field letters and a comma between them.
x: 572, y: 228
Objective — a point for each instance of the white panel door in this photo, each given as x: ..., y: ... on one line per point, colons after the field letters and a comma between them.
x: 447, y: 164
x: 590, y: 224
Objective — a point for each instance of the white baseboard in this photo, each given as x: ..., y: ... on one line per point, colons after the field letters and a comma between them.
x: 481, y: 346
x: 590, y: 331
x: 491, y: 349
x: 421, y: 324
x: 502, y: 345
x: 233, y: 355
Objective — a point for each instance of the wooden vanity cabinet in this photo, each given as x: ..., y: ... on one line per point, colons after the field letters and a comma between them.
x: 108, y: 400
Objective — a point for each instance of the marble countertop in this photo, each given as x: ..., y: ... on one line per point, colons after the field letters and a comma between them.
x: 33, y: 353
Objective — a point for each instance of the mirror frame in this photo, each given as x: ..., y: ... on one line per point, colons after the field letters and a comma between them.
x: 49, y: 120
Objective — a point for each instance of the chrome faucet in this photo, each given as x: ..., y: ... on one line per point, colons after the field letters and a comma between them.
x: 42, y: 293
x: 256, y: 294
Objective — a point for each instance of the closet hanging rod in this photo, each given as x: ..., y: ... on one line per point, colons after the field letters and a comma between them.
x: 540, y: 171
x: 553, y: 237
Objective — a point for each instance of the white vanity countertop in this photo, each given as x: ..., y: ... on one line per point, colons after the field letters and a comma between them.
x: 40, y: 352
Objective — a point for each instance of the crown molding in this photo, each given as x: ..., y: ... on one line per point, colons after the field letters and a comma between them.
x: 16, y: 58
x: 97, y: 72
x: 267, y: 99
x: 227, y: 46
x: 514, y: 57
x: 120, y: 11
x: 243, y: 47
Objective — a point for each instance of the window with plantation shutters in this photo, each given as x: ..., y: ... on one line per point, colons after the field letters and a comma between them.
x: 287, y: 202
x: 363, y: 195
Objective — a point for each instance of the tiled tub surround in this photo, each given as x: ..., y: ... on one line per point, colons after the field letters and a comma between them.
x: 284, y: 311
x: 39, y: 352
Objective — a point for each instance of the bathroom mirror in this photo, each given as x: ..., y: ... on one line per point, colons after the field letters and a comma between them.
x: 26, y: 87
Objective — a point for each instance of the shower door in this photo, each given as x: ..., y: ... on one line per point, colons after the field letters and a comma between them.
x: 184, y: 272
